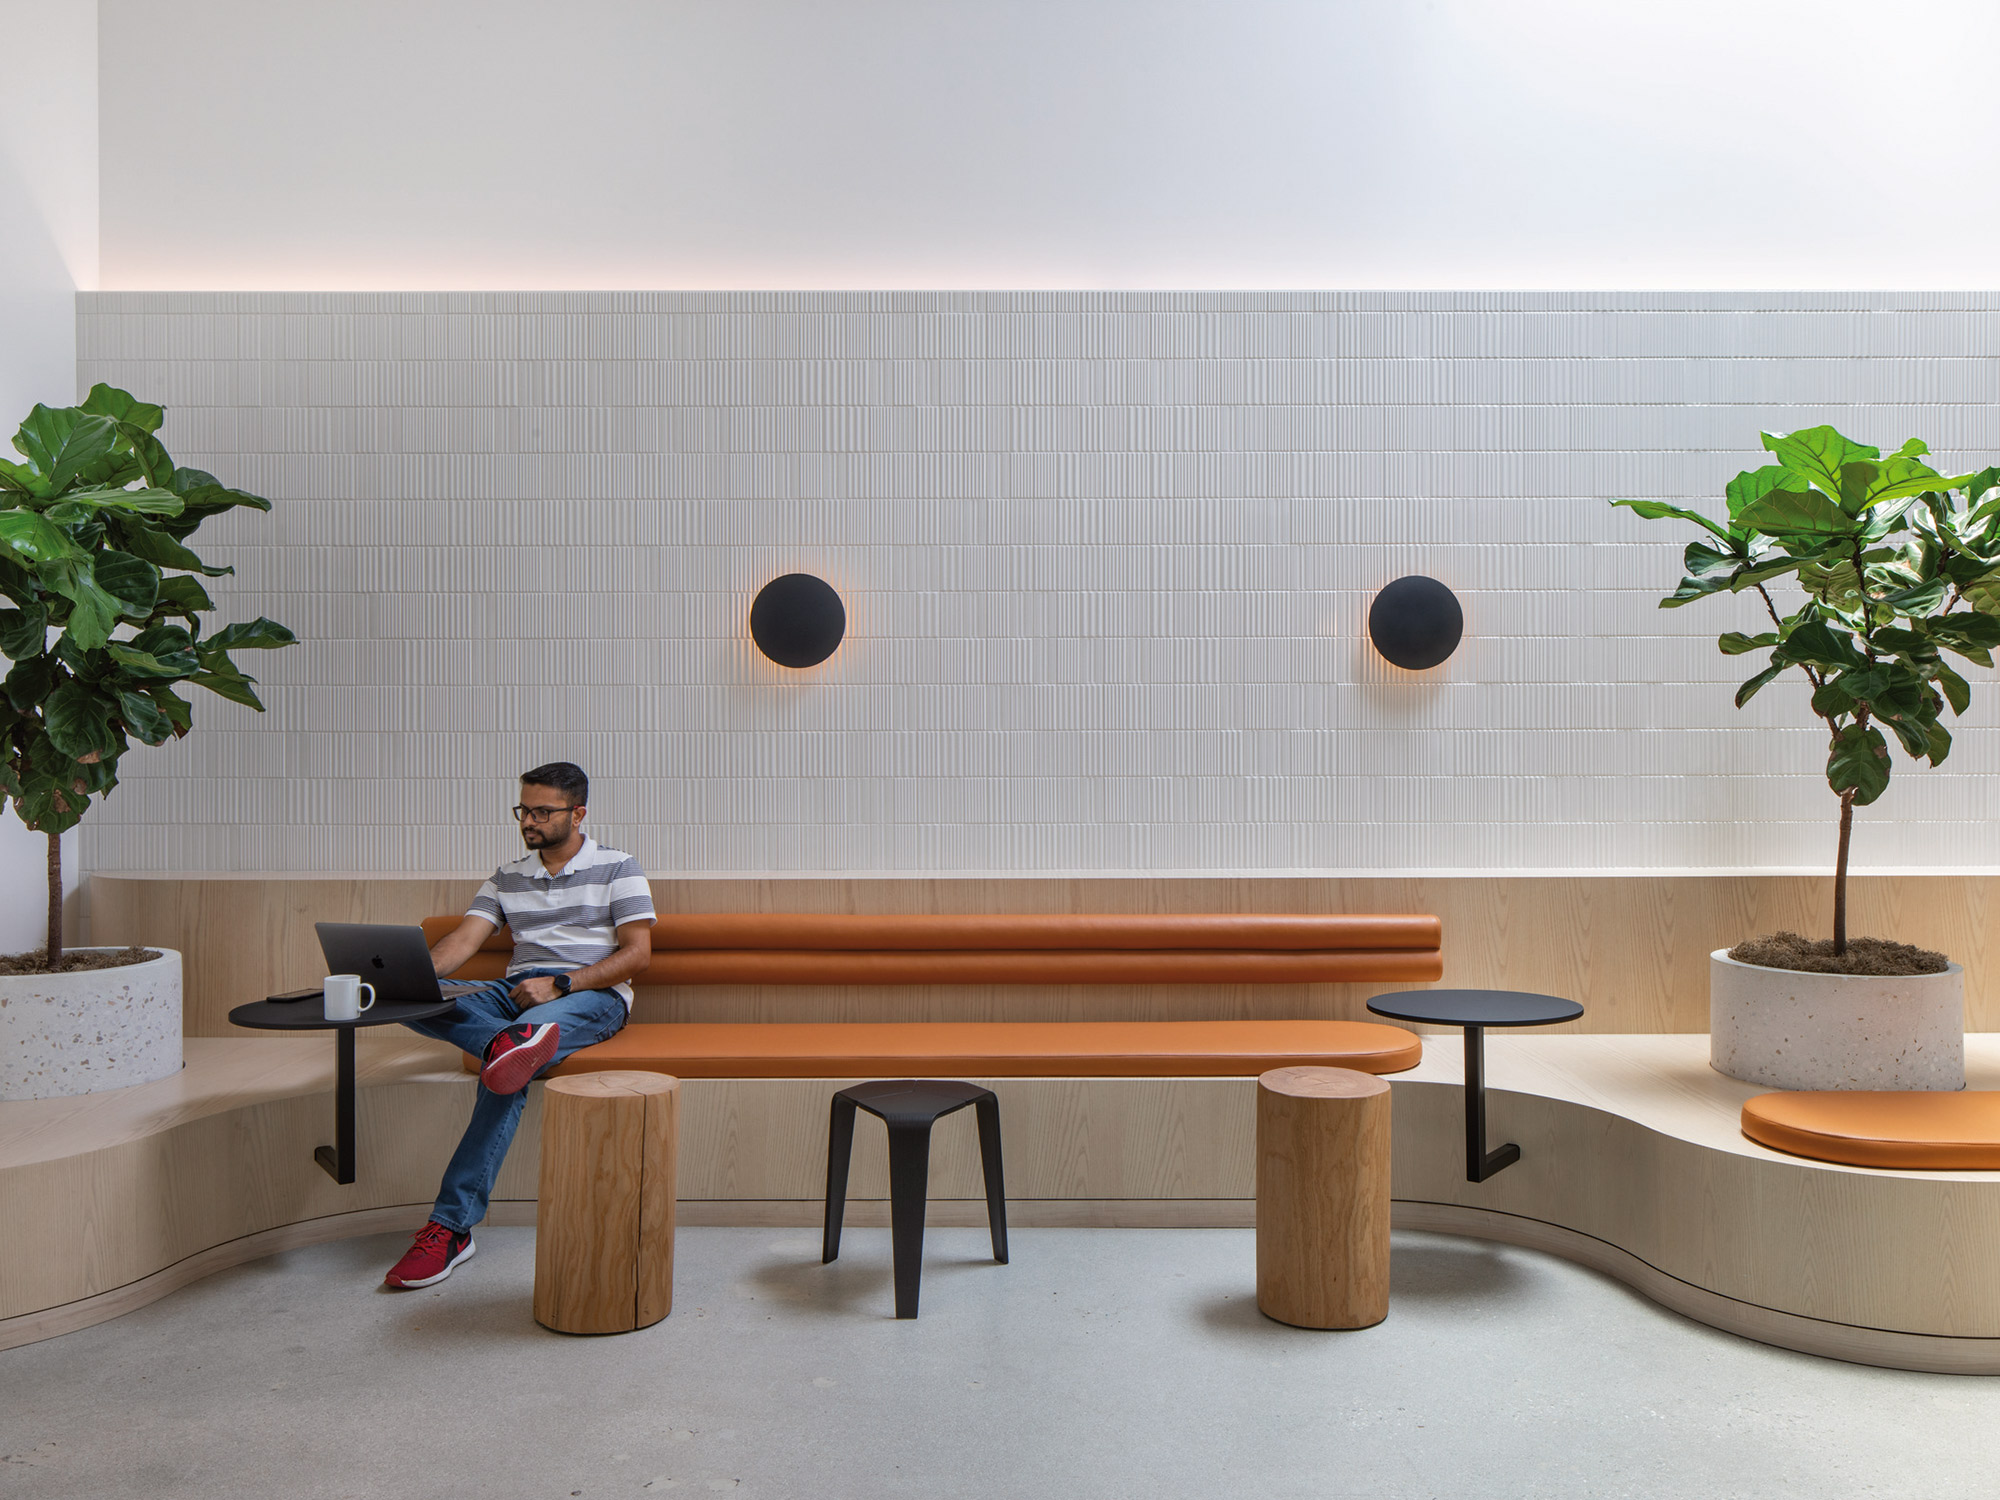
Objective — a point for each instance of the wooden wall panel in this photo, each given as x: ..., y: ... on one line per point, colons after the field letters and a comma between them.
x: 1634, y: 949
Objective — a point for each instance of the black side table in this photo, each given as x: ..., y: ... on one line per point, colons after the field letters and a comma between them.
x: 909, y: 1107
x: 1476, y: 1010
x: 310, y: 1015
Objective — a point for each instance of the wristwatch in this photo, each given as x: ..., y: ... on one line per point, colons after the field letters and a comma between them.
x: 562, y: 984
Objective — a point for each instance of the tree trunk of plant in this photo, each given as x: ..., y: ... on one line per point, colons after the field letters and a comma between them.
x: 55, y: 901
x: 1840, y: 875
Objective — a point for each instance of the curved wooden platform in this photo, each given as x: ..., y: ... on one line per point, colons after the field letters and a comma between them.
x: 1633, y: 1163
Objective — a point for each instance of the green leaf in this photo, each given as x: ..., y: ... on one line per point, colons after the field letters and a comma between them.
x: 1899, y: 478
x: 49, y: 805
x: 1692, y: 589
x: 1913, y: 734
x: 1956, y: 690
x: 174, y: 707
x: 1864, y: 684
x: 121, y: 406
x: 146, y: 664
x: 204, y: 492
x: 93, y: 612
x: 163, y: 640
x: 1969, y: 634
x: 1816, y: 454
x: 259, y: 635
x: 235, y: 689
x: 184, y: 596
x: 1917, y: 600
x: 1656, y: 510
x: 1789, y: 513
x: 33, y: 538
x: 1770, y: 568
x: 1835, y: 585
x: 24, y: 633
x: 1859, y: 762
x: 144, y: 718
x: 1703, y: 561
x: 156, y: 547
x: 1735, y: 642
x: 141, y: 502
x: 79, y: 722
x: 156, y: 466
x: 68, y: 445
x: 18, y: 479
x: 133, y: 582
x: 1817, y: 643
x: 29, y: 683
x: 1974, y: 629
x: 1753, y: 485
x: 1750, y: 689
x: 1832, y: 699
x: 1940, y: 743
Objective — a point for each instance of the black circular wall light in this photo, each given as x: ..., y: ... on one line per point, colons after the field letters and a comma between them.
x: 797, y: 620
x: 1416, y: 622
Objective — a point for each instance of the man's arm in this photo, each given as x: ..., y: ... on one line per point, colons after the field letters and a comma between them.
x: 450, y: 952
x: 630, y: 958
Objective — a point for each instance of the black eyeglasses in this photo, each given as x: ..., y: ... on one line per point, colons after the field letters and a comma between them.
x: 538, y: 814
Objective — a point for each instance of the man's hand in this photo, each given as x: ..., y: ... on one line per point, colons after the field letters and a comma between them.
x: 450, y: 953
x: 537, y: 991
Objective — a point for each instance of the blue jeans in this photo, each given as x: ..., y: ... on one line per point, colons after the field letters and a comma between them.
x: 583, y: 1018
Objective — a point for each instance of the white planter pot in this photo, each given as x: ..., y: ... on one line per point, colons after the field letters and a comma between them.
x: 63, y: 1034
x: 1790, y: 1030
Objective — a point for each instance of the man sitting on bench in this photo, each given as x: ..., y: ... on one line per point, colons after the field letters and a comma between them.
x: 582, y: 917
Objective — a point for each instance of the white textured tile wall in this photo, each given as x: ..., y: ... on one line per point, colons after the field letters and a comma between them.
x: 1106, y: 559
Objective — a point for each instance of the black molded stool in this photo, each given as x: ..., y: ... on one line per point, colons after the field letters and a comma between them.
x: 909, y: 1107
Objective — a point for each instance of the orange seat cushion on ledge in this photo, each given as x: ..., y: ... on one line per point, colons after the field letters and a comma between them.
x: 997, y: 1049
x: 1864, y: 1128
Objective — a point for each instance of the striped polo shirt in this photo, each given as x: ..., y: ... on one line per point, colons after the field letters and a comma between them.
x: 567, y: 921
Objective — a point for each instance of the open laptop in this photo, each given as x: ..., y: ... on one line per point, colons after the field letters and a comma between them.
x: 396, y: 960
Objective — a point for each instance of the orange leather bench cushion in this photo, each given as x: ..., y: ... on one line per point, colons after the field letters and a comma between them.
x: 1878, y: 1129
x: 997, y: 1049
x: 797, y: 948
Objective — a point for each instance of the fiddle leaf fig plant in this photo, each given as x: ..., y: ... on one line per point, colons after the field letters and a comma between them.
x: 107, y: 606
x: 1898, y: 568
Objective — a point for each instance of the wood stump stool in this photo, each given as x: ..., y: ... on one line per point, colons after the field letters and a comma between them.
x: 604, y: 1231
x: 1323, y: 1197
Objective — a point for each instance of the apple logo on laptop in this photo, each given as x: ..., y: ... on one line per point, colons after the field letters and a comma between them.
x: 377, y: 961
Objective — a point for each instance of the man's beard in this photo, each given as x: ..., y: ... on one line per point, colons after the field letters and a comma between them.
x: 538, y: 836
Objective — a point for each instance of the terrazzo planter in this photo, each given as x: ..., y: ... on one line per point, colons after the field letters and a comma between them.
x: 63, y: 1034
x: 1789, y: 1030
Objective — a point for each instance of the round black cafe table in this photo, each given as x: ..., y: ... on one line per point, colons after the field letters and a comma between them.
x: 1476, y: 1010
x: 310, y: 1015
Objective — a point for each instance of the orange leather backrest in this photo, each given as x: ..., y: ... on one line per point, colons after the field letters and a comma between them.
x: 1198, y: 948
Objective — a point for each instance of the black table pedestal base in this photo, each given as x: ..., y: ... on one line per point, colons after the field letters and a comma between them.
x: 292, y: 1013
x: 1480, y: 1163
x: 338, y: 1159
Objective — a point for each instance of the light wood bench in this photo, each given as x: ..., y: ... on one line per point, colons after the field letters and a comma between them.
x: 1193, y: 949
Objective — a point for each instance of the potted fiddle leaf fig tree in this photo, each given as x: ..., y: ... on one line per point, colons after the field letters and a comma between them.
x: 1889, y: 570
x: 104, y: 622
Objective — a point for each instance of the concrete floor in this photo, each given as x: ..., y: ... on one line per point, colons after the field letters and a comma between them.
x: 1100, y: 1363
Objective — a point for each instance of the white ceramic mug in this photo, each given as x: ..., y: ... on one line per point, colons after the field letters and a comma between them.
x: 343, y: 997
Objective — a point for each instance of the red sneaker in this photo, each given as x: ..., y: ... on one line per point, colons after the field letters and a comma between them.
x: 430, y: 1259
x: 517, y: 1055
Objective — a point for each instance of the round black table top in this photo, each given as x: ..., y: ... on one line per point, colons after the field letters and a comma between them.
x: 1475, y: 1007
x: 310, y: 1015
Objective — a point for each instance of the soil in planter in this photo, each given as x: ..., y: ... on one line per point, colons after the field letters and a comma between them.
x: 1787, y: 950
x: 75, y: 963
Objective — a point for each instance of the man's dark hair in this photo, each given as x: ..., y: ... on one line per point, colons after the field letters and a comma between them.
x: 564, y: 777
